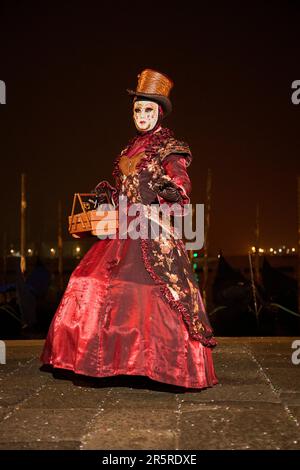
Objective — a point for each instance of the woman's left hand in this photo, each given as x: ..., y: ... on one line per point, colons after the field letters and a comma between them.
x: 167, y: 190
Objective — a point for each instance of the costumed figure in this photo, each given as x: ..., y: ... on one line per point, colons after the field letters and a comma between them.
x: 132, y: 305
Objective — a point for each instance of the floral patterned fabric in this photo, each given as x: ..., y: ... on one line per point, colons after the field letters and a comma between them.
x: 165, y: 258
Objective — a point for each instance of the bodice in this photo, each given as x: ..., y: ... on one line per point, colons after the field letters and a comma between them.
x: 128, y: 164
x: 142, y: 162
x: 137, y: 179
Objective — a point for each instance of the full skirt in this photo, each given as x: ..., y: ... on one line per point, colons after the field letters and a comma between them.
x: 113, y: 320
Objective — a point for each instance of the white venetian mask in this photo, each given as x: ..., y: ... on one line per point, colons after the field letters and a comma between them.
x: 145, y: 115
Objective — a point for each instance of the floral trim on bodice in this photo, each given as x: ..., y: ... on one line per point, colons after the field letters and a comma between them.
x: 160, y: 145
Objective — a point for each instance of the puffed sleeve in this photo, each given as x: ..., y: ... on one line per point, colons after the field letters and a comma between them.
x: 175, y: 166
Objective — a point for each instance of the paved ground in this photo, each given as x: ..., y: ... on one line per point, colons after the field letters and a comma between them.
x: 255, y: 406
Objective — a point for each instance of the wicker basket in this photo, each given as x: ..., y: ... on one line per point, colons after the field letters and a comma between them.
x: 91, y: 222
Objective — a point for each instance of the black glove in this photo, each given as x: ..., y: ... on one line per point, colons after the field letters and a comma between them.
x: 99, y: 198
x: 167, y: 190
x: 104, y: 193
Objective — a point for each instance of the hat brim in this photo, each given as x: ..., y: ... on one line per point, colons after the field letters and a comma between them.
x: 162, y: 100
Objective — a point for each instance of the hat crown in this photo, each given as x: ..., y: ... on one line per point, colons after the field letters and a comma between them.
x: 153, y: 82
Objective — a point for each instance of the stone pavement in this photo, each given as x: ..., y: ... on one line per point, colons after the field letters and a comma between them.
x: 255, y: 406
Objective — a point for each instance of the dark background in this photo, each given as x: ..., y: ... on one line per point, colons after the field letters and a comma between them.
x: 67, y: 66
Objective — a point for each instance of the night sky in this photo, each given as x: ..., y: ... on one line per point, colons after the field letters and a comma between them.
x: 68, y: 115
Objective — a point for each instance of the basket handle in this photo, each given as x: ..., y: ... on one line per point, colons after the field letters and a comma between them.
x: 78, y: 196
x: 88, y: 220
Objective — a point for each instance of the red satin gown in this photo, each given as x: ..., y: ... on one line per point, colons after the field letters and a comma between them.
x: 113, y: 320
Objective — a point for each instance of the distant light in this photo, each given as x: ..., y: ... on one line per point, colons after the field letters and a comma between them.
x: 287, y: 250
x: 253, y: 248
x: 280, y: 250
x: 52, y: 250
x: 275, y: 252
x: 29, y: 251
x: 271, y: 250
x: 195, y: 265
x: 261, y: 250
x: 12, y: 251
x: 77, y: 249
x: 293, y: 249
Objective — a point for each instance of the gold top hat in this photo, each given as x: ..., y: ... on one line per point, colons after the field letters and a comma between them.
x: 155, y: 86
